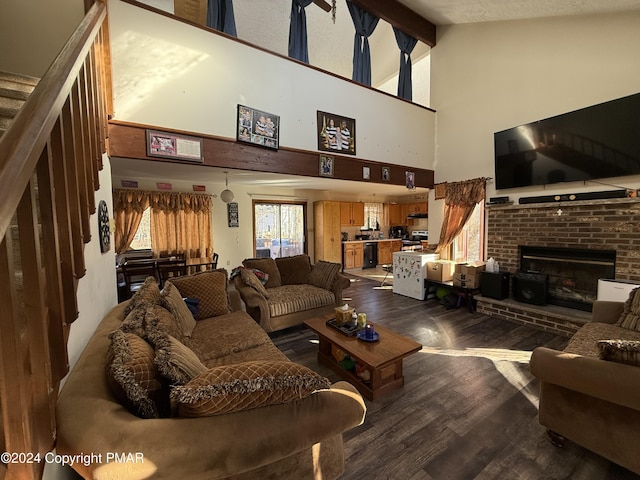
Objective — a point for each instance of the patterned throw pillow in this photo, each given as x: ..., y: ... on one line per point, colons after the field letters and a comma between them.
x: 133, y: 377
x: 171, y: 299
x: 175, y: 361
x: 621, y: 351
x: 210, y: 287
x: 630, y: 317
x: 323, y: 274
x: 233, y: 388
x: 249, y: 278
x: 268, y: 266
x: 149, y: 292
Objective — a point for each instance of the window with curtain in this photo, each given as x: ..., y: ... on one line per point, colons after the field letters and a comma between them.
x: 468, y: 246
x: 177, y: 222
x: 374, y: 215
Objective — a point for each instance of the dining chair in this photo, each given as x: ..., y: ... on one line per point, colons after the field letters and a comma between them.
x: 171, y: 268
x: 214, y: 263
x: 135, y: 273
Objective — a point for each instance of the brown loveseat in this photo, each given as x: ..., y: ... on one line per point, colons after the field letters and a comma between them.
x: 293, y: 289
x: 590, y: 392
x: 239, y: 408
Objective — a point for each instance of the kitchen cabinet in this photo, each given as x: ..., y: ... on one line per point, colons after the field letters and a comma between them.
x: 326, y: 236
x: 385, y: 253
x: 395, y: 216
x: 353, y: 255
x: 396, y: 246
x: 352, y: 213
x: 418, y: 207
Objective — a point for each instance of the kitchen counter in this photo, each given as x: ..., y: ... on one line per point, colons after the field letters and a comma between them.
x: 373, y: 240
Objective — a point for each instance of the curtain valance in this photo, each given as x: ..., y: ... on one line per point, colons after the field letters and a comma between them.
x: 139, y: 200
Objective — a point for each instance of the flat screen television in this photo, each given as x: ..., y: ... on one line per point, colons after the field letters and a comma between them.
x: 601, y: 141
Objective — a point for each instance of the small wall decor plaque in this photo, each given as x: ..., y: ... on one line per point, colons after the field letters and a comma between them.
x: 232, y: 214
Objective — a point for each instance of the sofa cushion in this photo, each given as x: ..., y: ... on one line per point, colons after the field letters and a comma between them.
x: 264, y: 352
x: 165, y: 321
x: 133, y: 376
x: 175, y: 361
x: 172, y: 300
x: 621, y: 351
x: 268, y: 266
x: 323, y: 274
x: 630, y: 317
x: 222, y: 335
x: 249, y: 277
x: 294, y: 270
x: 585, y: 340
x: 149, y: 292
x: 210, y: 287
x: 296, y: 298
x: 246, y: 385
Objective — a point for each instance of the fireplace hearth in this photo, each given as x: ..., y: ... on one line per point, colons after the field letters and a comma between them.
x: 573, y: 273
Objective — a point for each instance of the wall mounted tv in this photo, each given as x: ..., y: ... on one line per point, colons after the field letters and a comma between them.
x: 601, y: 141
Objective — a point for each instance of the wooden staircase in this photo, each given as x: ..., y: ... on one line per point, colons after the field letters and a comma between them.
x: 51, y: 145
x: 14, y: 91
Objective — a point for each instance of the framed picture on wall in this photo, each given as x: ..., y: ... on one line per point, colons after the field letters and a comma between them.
x: 258, y: 127
x: 326, y: 166
x: 336, y: 133
x: 170, y: 145
x: 386, y: 174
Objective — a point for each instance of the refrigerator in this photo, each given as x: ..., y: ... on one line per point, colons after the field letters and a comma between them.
x: 410, y: 273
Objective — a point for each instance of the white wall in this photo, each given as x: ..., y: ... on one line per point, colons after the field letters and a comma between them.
x: 170, y: 74
x: 33, y: 33
x: 491, y: 76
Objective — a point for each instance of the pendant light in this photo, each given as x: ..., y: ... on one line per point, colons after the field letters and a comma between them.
x: 226, y: 195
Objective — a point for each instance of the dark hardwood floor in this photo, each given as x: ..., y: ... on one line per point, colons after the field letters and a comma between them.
x: 468, y: 409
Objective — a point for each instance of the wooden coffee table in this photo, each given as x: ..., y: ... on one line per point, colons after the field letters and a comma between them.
x: 383, y: 358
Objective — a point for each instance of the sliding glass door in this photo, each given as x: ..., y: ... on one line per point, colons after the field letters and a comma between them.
x: 279, y: 228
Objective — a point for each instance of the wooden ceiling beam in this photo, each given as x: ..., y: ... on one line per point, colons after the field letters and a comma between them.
x: 401, y: 17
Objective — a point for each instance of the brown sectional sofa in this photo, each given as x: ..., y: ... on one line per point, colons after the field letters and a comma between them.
x: 590, y: 392
x: 293, y: 291
x: 239, y: 410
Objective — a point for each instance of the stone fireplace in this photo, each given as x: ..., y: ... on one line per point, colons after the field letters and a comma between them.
x: 573, y: 272
x: 602, y: 225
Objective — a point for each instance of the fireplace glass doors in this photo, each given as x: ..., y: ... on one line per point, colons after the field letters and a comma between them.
x: 573, y: 273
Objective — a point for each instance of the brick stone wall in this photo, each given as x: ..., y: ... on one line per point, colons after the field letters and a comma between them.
x: 611, y: 224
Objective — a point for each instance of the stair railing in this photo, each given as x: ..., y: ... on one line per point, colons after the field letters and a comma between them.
x: 50, y: 157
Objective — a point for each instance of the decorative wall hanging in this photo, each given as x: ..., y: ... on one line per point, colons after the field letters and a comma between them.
x: 440, y: 189
x: 326, y: 166
x: 336, y: 133
x: 258, y: 127
x: 169, y: 145
x: 103, y: 227
x: 386, y: 174
x: 366, y: 173
x: 232, y: 214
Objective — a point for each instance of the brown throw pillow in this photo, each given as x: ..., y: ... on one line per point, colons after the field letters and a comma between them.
x: 233, y: 388
x: 294, y: 270
x: 250, y: 278
x: 621, y: 351
x: 210, y: 287
x: 268, y: 266
x: 171, y: 299
x: 133, y: 377
x: 630, y: 317
x: 149, y: 292
x: 175, y: 361
x: 323, y: 274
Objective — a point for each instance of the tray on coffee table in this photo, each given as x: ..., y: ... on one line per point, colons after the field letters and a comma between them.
x: 347, y: 329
